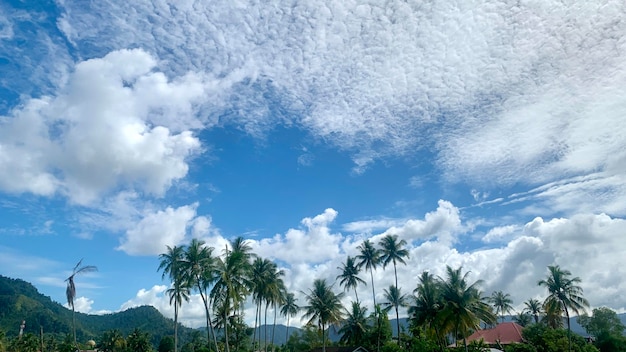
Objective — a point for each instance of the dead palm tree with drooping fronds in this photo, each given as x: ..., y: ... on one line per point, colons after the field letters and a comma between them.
x: 70, y: 291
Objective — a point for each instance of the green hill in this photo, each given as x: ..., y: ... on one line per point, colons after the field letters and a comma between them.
x: 20, y: 301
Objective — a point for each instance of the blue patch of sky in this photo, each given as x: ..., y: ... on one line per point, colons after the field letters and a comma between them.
x: 27, y: 53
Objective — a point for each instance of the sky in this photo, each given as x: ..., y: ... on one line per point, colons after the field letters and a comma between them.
x: 486, y: 134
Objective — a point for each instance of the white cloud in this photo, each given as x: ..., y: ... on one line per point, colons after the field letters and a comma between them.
x: 159, y: 229
x: 316, y: 238
x: 444, y: 224
x: 116, y: 124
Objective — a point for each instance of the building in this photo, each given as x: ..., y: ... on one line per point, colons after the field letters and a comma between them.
x: 503, y: 334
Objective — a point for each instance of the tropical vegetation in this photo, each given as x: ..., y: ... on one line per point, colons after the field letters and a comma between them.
x: 442, y: 311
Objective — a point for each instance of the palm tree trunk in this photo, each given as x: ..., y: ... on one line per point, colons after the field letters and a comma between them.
x: 226, y: 323
x: 569, y: 330
x: 74, y: 325
x: 175, y: 327
x: 212, y: 329
x: 274, y: 325
x: 265, y: 325
x: 395, y: 272
x: 356, y: 295
x: 287, y: 334
x: 375, y: 313
x: 210, y: 332
x: 257, y: 320
x: 323, y: 338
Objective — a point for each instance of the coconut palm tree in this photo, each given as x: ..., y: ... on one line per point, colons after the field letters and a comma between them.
x: 553, y: 314
x: 464, y: 307
x: 323, y: 308
x: 392, y: 251
x: 522, y: 319
x: 395, y: 299
x: 533, y: 307
x: 199, y: 266
x: 289, y: 309
x: 501, y: 302
x: 171, y: 262
x: 369, y: 257
x: 349, y: 277
x: 425, y: 311
x: 232, y: 284
x: 70, y: 291
x: 354, y: 326
x: 261, y: 270
x: 564, y: 290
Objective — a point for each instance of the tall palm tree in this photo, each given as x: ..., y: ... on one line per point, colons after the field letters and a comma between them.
x: 464, y: 307
x: 289, y: 309
x: 199, y: 266
x: 171, y: 262
x: 323, y: 308
x: 276, y: 295
x: 564, y: 290
x: 355, y: 326
x: 232, y: 284
x: 425, y: 312
x: 501, y: 302
x: 395, y: 299
x: 349, y: 277
x: 533, y: 307
x: 261, y: 271
x: 70, y: 291
x: 369, y: 257
x: 392, y: 251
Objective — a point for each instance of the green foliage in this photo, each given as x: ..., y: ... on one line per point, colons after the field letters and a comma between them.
x: 602, y: 321
x: 112, y: 341
x: 520, y: 347
x: 28, y: 343
x: 19, y: 300
x: 138, y: 341
x: 607, y: 342
x: 166, y: 344
x: 546, y: 339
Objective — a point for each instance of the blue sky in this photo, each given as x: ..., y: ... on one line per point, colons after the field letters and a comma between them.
x: 486, y: 134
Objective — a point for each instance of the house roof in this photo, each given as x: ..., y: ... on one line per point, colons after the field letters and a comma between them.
x: 341, y: 349
x: 503, y: 333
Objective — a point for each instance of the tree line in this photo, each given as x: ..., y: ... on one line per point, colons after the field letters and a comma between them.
x: 442, y: 310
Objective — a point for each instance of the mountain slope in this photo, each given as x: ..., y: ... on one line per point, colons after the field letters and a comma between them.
x: 20, y: 301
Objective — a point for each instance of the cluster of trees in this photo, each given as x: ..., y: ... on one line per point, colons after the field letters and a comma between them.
x: 442, y: 310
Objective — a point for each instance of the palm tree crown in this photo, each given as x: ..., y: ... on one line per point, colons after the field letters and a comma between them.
x: 501, y: 302
x: 564, y: 291
x: 533, y: 307
x: 172, y: 264
x: 324, y: 307
x: 349, y: 277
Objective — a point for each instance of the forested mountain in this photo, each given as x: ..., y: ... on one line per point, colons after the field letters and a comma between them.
x: 20, y: 301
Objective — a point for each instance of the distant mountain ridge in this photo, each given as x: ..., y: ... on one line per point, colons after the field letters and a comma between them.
x: 21, y: 301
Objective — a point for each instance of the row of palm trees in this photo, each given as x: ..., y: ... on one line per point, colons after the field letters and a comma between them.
x: 438, y: 307
x: 224, y: 283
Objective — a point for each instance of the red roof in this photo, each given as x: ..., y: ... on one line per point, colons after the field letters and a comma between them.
x: 504, y: 334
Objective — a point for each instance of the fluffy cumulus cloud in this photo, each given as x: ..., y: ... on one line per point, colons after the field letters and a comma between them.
x: 518, y: 257
x: 159, y: 229
x: 116, y: 124
x: 320, y: 243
